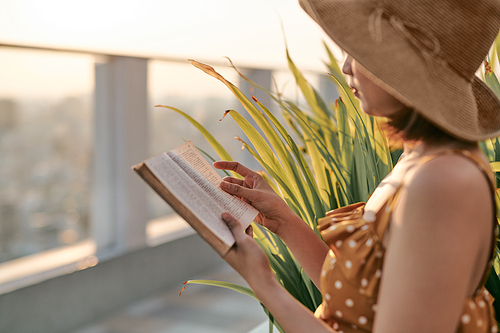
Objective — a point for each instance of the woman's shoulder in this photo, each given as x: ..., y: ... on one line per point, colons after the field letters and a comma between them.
x: 451, y: 189
x: 452, y: 174
x: 440, y: 236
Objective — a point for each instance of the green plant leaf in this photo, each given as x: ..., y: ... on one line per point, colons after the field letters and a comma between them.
x: 345, y: 138
x: 321, y: 156
x: 307, y: 90
x: 344, y: 160
x: 269, y: 160
x: 238, y: 288
x: 219, y: 150
x: 304, y: 179
x: 261, y: 121
x: 492, y: 81
x: 495, y: 166
x: 222, y: 284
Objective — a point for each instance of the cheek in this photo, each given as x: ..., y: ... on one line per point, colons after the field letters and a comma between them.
x: 373, y: 99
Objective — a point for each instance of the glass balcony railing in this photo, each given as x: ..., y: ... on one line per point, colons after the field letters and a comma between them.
x: 46, y: 124
x: 71, y: 125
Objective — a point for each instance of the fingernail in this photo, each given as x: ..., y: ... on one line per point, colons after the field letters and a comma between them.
x: 225, y: 216
x: 224, y: 185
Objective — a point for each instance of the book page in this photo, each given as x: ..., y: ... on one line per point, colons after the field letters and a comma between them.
x: 198, y: 168
x: 242, y: 211
x: 191, y: 195
x: 193, y: 157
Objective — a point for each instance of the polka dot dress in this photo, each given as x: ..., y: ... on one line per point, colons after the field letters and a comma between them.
x: 351, y: 273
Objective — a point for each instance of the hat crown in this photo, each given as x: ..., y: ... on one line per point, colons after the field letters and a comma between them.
x: 465, y: 29
x: 423, y: 52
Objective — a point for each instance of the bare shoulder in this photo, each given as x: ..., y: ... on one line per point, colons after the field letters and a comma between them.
x: 450, y: 198
x: 438, y: 243
x: 455, y: 176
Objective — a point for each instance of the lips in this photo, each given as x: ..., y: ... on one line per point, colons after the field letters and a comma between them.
x: 354, y: 90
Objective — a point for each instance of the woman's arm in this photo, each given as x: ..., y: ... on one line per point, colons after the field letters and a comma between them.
x: 438, y: 247
x: 248, y: 259
x: 309, y: 249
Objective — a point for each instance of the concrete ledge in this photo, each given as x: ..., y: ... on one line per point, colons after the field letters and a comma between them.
x: 64, y: 303
x: 263, y: 328
x: 32, y: 269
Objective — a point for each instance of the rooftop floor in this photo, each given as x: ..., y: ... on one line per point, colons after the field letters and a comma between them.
x: 202, y: 309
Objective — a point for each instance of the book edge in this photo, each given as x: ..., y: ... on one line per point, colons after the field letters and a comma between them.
x: 215, y: 242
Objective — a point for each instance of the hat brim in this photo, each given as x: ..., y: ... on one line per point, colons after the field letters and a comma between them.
x: 464, y: 109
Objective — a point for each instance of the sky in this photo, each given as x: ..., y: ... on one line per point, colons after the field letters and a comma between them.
x: 247, y: 31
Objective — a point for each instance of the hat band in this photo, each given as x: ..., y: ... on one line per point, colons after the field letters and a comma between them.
x: 422, y: 39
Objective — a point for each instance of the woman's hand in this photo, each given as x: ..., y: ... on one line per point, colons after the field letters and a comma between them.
x: 257, y: 192
x: 246, y: 256
x: 274, y: 214
x: 250, y: 261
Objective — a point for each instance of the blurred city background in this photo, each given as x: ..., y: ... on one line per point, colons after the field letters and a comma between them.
x: 70, y: 75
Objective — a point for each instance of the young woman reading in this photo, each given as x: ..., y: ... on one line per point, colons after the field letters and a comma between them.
x: 413, y: 258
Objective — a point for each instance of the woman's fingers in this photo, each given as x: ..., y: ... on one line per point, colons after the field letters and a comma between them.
x: 233, y: 166
x: 240, y: 182
x: 234, y: 225
x: 234, y: 180
x: 238, y: 190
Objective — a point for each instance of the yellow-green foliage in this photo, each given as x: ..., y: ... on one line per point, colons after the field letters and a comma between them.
x: 344, y: 159
x: 340, y: 159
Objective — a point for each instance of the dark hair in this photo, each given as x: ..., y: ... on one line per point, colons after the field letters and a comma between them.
x: 408, y: 125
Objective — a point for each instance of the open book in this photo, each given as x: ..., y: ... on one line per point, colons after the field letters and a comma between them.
x: 191, y: 186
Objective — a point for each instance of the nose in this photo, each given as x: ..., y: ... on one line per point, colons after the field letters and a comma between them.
x: 347, y: 67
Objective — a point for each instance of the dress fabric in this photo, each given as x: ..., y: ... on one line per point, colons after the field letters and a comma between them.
x: 351, y: 273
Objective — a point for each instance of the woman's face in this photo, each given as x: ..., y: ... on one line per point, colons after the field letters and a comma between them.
x: 374, y: 100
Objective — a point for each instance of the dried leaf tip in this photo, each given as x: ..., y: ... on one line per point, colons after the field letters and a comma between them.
x: 339, y: 101
x: 183, y: 287
x: 236, y: 69
x: 201, y: 65
x: 487, y: 67
x: 225, y: 114
x: 243, y: 143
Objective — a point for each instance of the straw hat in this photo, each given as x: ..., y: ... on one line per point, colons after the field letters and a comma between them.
x: 423, y: 52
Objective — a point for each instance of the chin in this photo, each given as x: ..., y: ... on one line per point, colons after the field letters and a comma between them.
x: 374, y: 112
x: 369, y: 111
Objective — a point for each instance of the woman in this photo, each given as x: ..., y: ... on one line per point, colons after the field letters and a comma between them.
x: 415, y: 257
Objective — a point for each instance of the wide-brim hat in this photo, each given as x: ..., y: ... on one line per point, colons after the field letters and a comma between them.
x: 423, y: 52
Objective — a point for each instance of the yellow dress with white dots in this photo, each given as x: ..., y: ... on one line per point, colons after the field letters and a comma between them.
x: 351, y: 274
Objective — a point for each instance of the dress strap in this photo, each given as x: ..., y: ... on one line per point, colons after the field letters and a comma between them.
x: 482, y: 165
x: 486, y: 170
